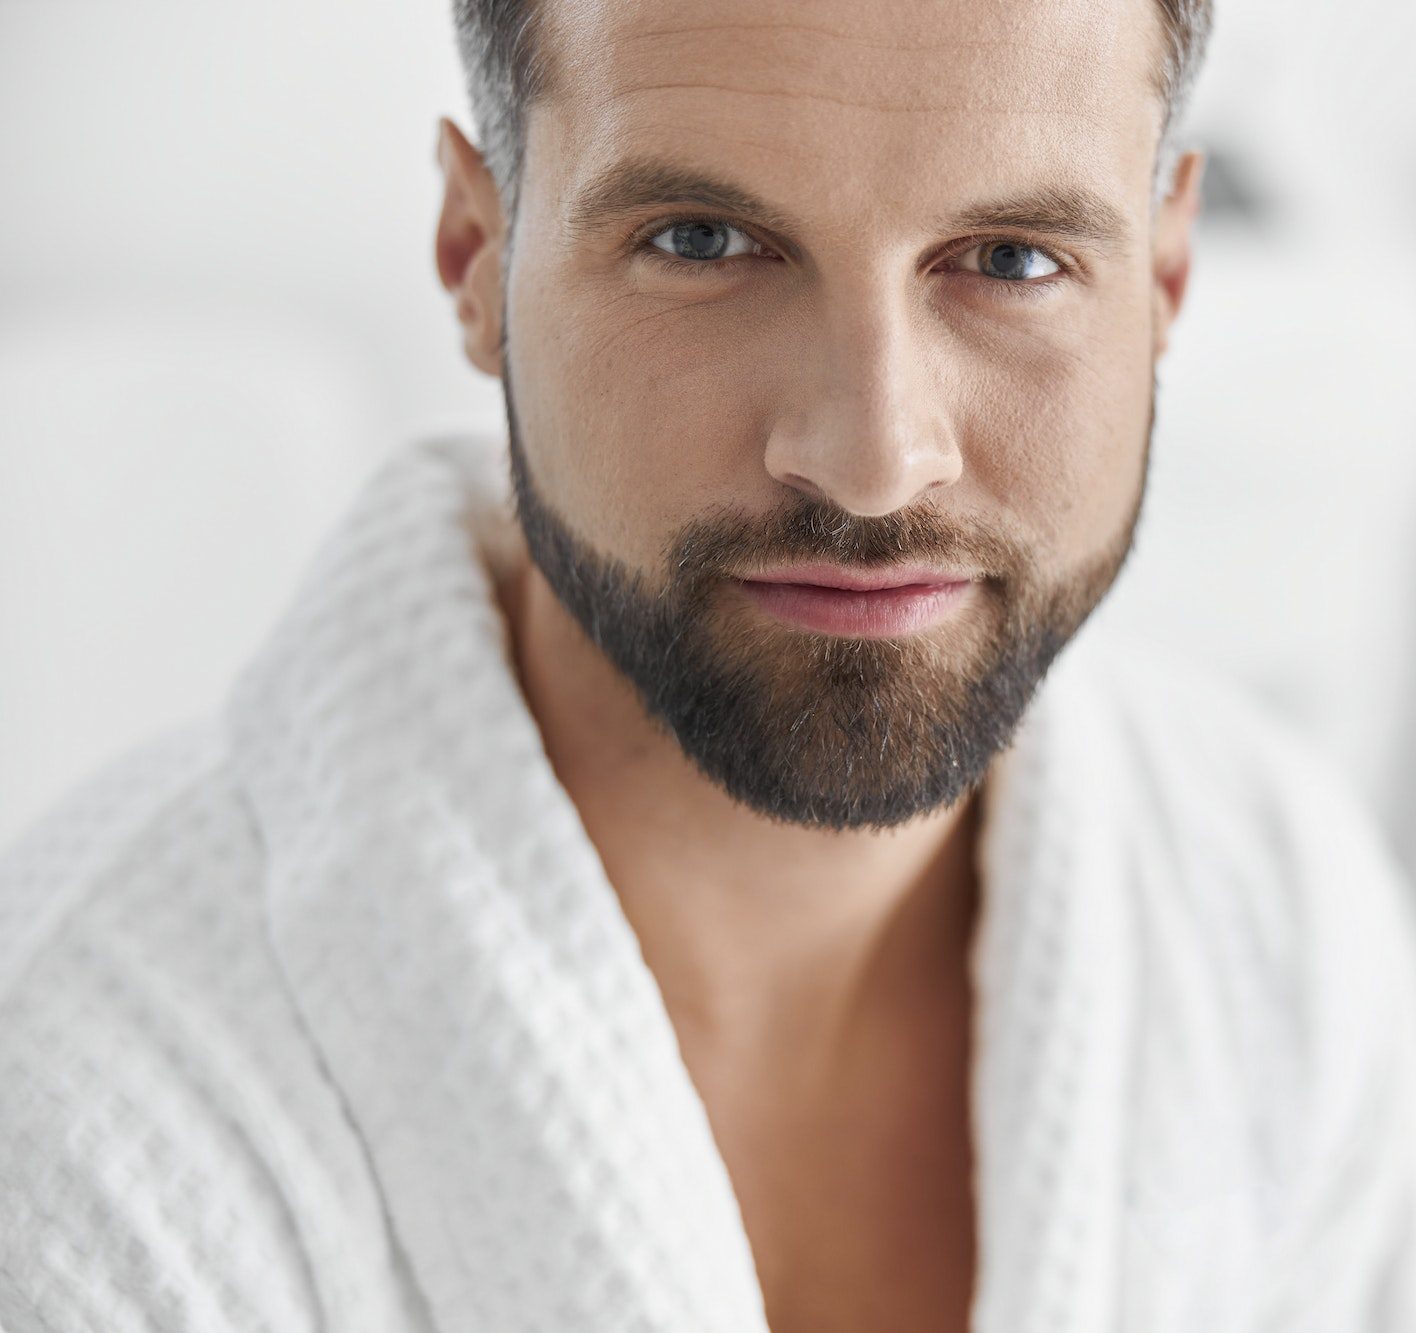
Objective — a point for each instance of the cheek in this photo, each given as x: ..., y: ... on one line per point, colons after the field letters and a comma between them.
x: 634, y: 410
x: 1054, y: 435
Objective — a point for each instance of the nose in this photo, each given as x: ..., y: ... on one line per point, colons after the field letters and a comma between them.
x: 873, y: 434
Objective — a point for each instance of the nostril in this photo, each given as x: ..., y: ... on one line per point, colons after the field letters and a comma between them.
x: 802, y: 484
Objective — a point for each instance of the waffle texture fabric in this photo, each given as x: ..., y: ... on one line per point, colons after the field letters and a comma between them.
x: 320, y: 1013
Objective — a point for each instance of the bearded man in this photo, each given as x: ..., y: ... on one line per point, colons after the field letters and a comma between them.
x: 684, y: 866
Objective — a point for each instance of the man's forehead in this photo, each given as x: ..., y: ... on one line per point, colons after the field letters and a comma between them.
x: 891, y: 56
x: 962, y: 98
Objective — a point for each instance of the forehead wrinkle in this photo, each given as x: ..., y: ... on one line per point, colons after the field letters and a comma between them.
x: 792, y: 62
x: 854, y: 38
x: 908, y: 107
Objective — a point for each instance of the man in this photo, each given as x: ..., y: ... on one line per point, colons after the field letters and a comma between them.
x: 669, y: 875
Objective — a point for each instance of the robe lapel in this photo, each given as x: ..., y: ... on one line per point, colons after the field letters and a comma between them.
x: 1051, y: 968
x: 462, y: 963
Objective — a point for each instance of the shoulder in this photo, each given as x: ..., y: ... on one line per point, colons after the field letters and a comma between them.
x: 1238, y: 830
x: 1250, y: 823
x: 80, y: 841
x: 1277, y: 934
x: 168, y: 1146
x: 1235, y: 786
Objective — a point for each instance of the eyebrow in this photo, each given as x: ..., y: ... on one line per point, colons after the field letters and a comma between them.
x: 1077, y: 213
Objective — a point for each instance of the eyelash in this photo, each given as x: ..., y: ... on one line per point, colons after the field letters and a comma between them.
x: 641, y: 242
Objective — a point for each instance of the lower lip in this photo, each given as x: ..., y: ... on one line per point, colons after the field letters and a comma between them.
x: 882, y: 613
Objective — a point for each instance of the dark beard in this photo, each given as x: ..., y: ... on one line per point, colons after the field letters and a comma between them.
x: 811, y: 729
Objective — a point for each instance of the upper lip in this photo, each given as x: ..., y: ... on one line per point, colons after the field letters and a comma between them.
x: 836, y: 576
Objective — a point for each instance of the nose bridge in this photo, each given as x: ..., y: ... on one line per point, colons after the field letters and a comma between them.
x: 869, y: 430
x: 871, y: 350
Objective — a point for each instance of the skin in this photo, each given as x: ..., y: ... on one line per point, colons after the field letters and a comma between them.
x: 818, y: 976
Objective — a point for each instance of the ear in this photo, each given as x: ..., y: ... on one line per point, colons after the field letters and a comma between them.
x: 1171, y: 252
x: 470, y: 236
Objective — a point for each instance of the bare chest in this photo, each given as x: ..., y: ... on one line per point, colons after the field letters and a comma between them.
x: 861, y: 1218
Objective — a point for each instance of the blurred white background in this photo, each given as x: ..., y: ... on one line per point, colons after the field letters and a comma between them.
x: 218, y: 311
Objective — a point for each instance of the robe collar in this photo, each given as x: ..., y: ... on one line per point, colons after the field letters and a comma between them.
x: 464, y: 967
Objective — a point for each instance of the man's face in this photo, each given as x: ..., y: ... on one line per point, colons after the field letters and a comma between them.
x: 936, y: 347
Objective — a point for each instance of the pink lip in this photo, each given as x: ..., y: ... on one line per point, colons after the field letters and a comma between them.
x: 833, y: 576
x: 880, y: 612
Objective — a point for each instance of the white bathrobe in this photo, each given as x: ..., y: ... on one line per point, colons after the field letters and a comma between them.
x: 321, y: 1014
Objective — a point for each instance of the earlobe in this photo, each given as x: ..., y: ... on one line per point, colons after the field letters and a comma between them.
x: 467, y: 246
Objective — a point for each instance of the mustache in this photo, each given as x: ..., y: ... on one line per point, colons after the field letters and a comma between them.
x: 724, y: 542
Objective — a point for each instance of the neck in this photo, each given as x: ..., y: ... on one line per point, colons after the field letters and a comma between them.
x: 762, y: 937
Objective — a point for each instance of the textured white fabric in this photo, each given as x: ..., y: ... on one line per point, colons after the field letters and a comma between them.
x: 321, y: 1014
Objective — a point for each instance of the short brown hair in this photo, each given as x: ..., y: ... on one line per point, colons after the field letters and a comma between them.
x: 506, y: 71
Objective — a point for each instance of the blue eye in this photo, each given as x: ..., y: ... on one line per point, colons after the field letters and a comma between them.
x: 701, y: 239
x: 1011, y: 261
